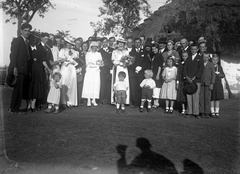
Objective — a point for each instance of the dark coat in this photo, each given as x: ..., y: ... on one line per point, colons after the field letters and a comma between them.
x: 19, y: 56
x: 208, y: 76
x: 141, y: 60
x: 194, y: 68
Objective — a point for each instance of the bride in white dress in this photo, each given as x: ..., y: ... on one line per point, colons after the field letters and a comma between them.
x: 116, y: 57
x: 69, y: 75
x: 91, y: 84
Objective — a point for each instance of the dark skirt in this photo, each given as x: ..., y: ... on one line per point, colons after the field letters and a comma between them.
x: 36, y: 89
x: 181, y: 96
x: 217, y: 92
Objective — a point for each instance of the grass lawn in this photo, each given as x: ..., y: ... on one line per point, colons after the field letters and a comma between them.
x: 83, y: 140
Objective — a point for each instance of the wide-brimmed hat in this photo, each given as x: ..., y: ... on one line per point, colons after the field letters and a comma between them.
x: 190, y: 88
x: 69, y: 40
x: 121, y: 40
x: 94, y: 44
x: 11, y: 80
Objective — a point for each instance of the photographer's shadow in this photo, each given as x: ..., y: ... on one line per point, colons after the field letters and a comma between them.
x: 146, y: 162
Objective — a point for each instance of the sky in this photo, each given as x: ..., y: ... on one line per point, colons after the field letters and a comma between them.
x: 72, y: 15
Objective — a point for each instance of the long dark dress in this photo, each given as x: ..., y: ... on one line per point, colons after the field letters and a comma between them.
x: 217, y: 92
x: 37, y: 73
x: 155, y: 63
x: 181, y: 96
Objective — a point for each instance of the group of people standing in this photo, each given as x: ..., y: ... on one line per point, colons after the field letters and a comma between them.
x: 57, y: 71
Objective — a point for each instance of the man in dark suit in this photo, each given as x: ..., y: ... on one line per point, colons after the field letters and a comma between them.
x: 193, y: 70
x: 162, y: 45
x: 184, y: 47
x: 207, y: 81
x: 46, y: 52
x: 136, y: 72
x: 19, y: 66
x: 105, y: 76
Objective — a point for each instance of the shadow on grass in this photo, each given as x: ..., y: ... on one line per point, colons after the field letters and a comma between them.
x: 151, y: 162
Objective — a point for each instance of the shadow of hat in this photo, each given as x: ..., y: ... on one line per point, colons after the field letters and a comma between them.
x: 11, y: 80
x: 190, y: 88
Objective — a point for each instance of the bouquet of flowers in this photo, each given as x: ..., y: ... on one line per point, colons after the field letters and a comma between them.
x: 100, y: 63
x: 126, y: 60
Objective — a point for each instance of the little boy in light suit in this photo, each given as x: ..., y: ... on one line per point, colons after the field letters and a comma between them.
x: 207, y: 81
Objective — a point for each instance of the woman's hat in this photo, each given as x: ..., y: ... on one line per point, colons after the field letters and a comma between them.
x: 11, y: 80
x: 94, y: 43
x: 190, y: 88
x: 121, y: 40
x: 69, y: 40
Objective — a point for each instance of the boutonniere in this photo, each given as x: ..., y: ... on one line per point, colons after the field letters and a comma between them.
x: 142, y: 55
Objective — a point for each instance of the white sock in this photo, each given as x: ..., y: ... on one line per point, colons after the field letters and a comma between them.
x: 212, y: 109
x: 141, y: 106
x: 118, y: 106
x: 171, y: 108
x: 167, y: 107
x: 217, y: 110
x: 149, y: 106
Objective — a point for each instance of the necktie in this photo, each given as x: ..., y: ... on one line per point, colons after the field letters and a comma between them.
x: 28, y: 53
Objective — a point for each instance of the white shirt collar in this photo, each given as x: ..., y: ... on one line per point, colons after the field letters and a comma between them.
x: 193, y: 56
x: 24, y: 38
x: 34, y: 47
x: 42, y: 44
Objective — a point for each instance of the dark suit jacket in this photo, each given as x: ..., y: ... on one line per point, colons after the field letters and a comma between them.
x: 107, y: 59
x: 194, y: 68
x: 19, y: 57
x: 188, y: 50
x: 208, y: 76
x: 141, y: 60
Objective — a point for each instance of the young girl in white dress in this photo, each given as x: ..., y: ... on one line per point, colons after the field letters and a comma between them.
x: 168, y: 91
x: 91, y: 84
x: 54, y: 93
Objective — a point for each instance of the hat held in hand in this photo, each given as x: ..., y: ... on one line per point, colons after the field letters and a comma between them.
x: 11, y: 80
x: 190, y: 88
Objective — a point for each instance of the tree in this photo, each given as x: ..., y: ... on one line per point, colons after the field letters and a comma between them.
x: 24, y: 10
x: 120, y: 16
x: 217, y: 20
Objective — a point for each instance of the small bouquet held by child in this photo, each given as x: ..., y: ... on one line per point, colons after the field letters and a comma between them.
x: 126, y: 60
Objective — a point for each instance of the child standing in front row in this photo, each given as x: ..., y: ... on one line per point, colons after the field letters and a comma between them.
x: 120, y: 87
x: 54, y: 93
x: 147, y: 85
x: 217, y: 92
x: 168, y: 91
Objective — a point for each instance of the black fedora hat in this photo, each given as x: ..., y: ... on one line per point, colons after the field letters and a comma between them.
x: 162, y: 41
x: 11, y: 80
x: 190, y: 88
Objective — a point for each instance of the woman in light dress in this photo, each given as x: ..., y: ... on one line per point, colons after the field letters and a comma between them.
x: 69, y: 75
x: 116, y: 57
x: 91, y: 84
